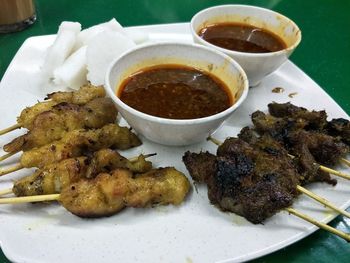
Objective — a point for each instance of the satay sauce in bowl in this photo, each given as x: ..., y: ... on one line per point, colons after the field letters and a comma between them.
x: 259, y: 39
x: 176, y: 94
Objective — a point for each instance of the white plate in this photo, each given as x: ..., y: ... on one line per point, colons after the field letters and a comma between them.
x: 193, y: 232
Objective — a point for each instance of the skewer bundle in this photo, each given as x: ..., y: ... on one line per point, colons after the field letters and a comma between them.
x: 72, y: 140
x: 255, y: 175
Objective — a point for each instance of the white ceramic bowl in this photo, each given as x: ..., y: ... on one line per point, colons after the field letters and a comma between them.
x: 171, y: 131
x: 256, y: 65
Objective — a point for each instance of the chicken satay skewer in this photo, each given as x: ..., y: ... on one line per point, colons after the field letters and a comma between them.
x: 108, y: 193
x: 74, y: 144
x: 321, y: 167
x: 62, y: 118
x: 20, y: 166
x: 9, y: 129
x: 53, y: 177
x: 304, y: 191
x: 81, y: 96
x: 56, y: 197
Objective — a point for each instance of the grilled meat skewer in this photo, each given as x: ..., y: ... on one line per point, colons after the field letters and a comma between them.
x: 52, y: 178
x: 79, y: 97
x: 82, y: 96
x: 107, y: 194
x: 314, y: 120
x: 246, y: 180
x: 53, y: 124
x: 78, y: 142
x: 325, y: 149
x: 304, y: 161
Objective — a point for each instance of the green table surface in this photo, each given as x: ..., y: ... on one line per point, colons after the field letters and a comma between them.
x: 324, y: 55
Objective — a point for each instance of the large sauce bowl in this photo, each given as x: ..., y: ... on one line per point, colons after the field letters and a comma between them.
x: 176, y: 131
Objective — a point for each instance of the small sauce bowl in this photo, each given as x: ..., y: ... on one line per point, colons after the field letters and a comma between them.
x: 176, y: 131
x: 256, y: 65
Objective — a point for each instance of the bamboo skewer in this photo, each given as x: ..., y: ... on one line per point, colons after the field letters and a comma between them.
x: 5, y: 156
x: 326, y: 227
x: 334, y: 172
x: 323, y: 168
x: 322, y: 201
x: 11, y: 128
x: 134, y: 159
x: 11, y: 169
x: 6, y: 191
x: 347, y: 162
x: 30, y: 199
x: 56, y: 197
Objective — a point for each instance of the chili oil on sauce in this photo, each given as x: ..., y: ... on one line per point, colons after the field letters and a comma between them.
x: 242, y: 37
x: 175, y: 92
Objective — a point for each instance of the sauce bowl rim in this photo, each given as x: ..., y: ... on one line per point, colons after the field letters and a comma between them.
x: 111, y: 90
x: 248, y: 54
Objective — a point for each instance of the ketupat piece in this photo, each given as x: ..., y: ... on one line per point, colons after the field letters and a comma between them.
x: 62, y: 47
x: 102, y: 50
x: 85, y: 36
x: 72, y: 73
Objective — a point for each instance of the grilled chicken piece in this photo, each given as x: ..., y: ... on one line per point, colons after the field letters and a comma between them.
x: 78, y: 142
x: 107, y: 194
x: 245, y: 180
x: 53, y: 124
x: 52, y: 178
x: 80, y: 97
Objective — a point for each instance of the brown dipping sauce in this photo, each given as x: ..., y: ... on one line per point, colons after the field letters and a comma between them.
x: 242, y: 37
x: 175, y: 92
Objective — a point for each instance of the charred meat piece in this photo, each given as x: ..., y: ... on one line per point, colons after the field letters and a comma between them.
x: 315, y: 120
x: 277, y: 128
x: 326, y: 149
x: 200, y: 166
x: 247, y: 181
x: 339, y: 128
x: 303, y: 160
x: 308, y: 168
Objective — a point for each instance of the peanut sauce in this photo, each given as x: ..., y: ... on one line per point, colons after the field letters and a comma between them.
x: 175, y: 92
x: 242, y: 38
